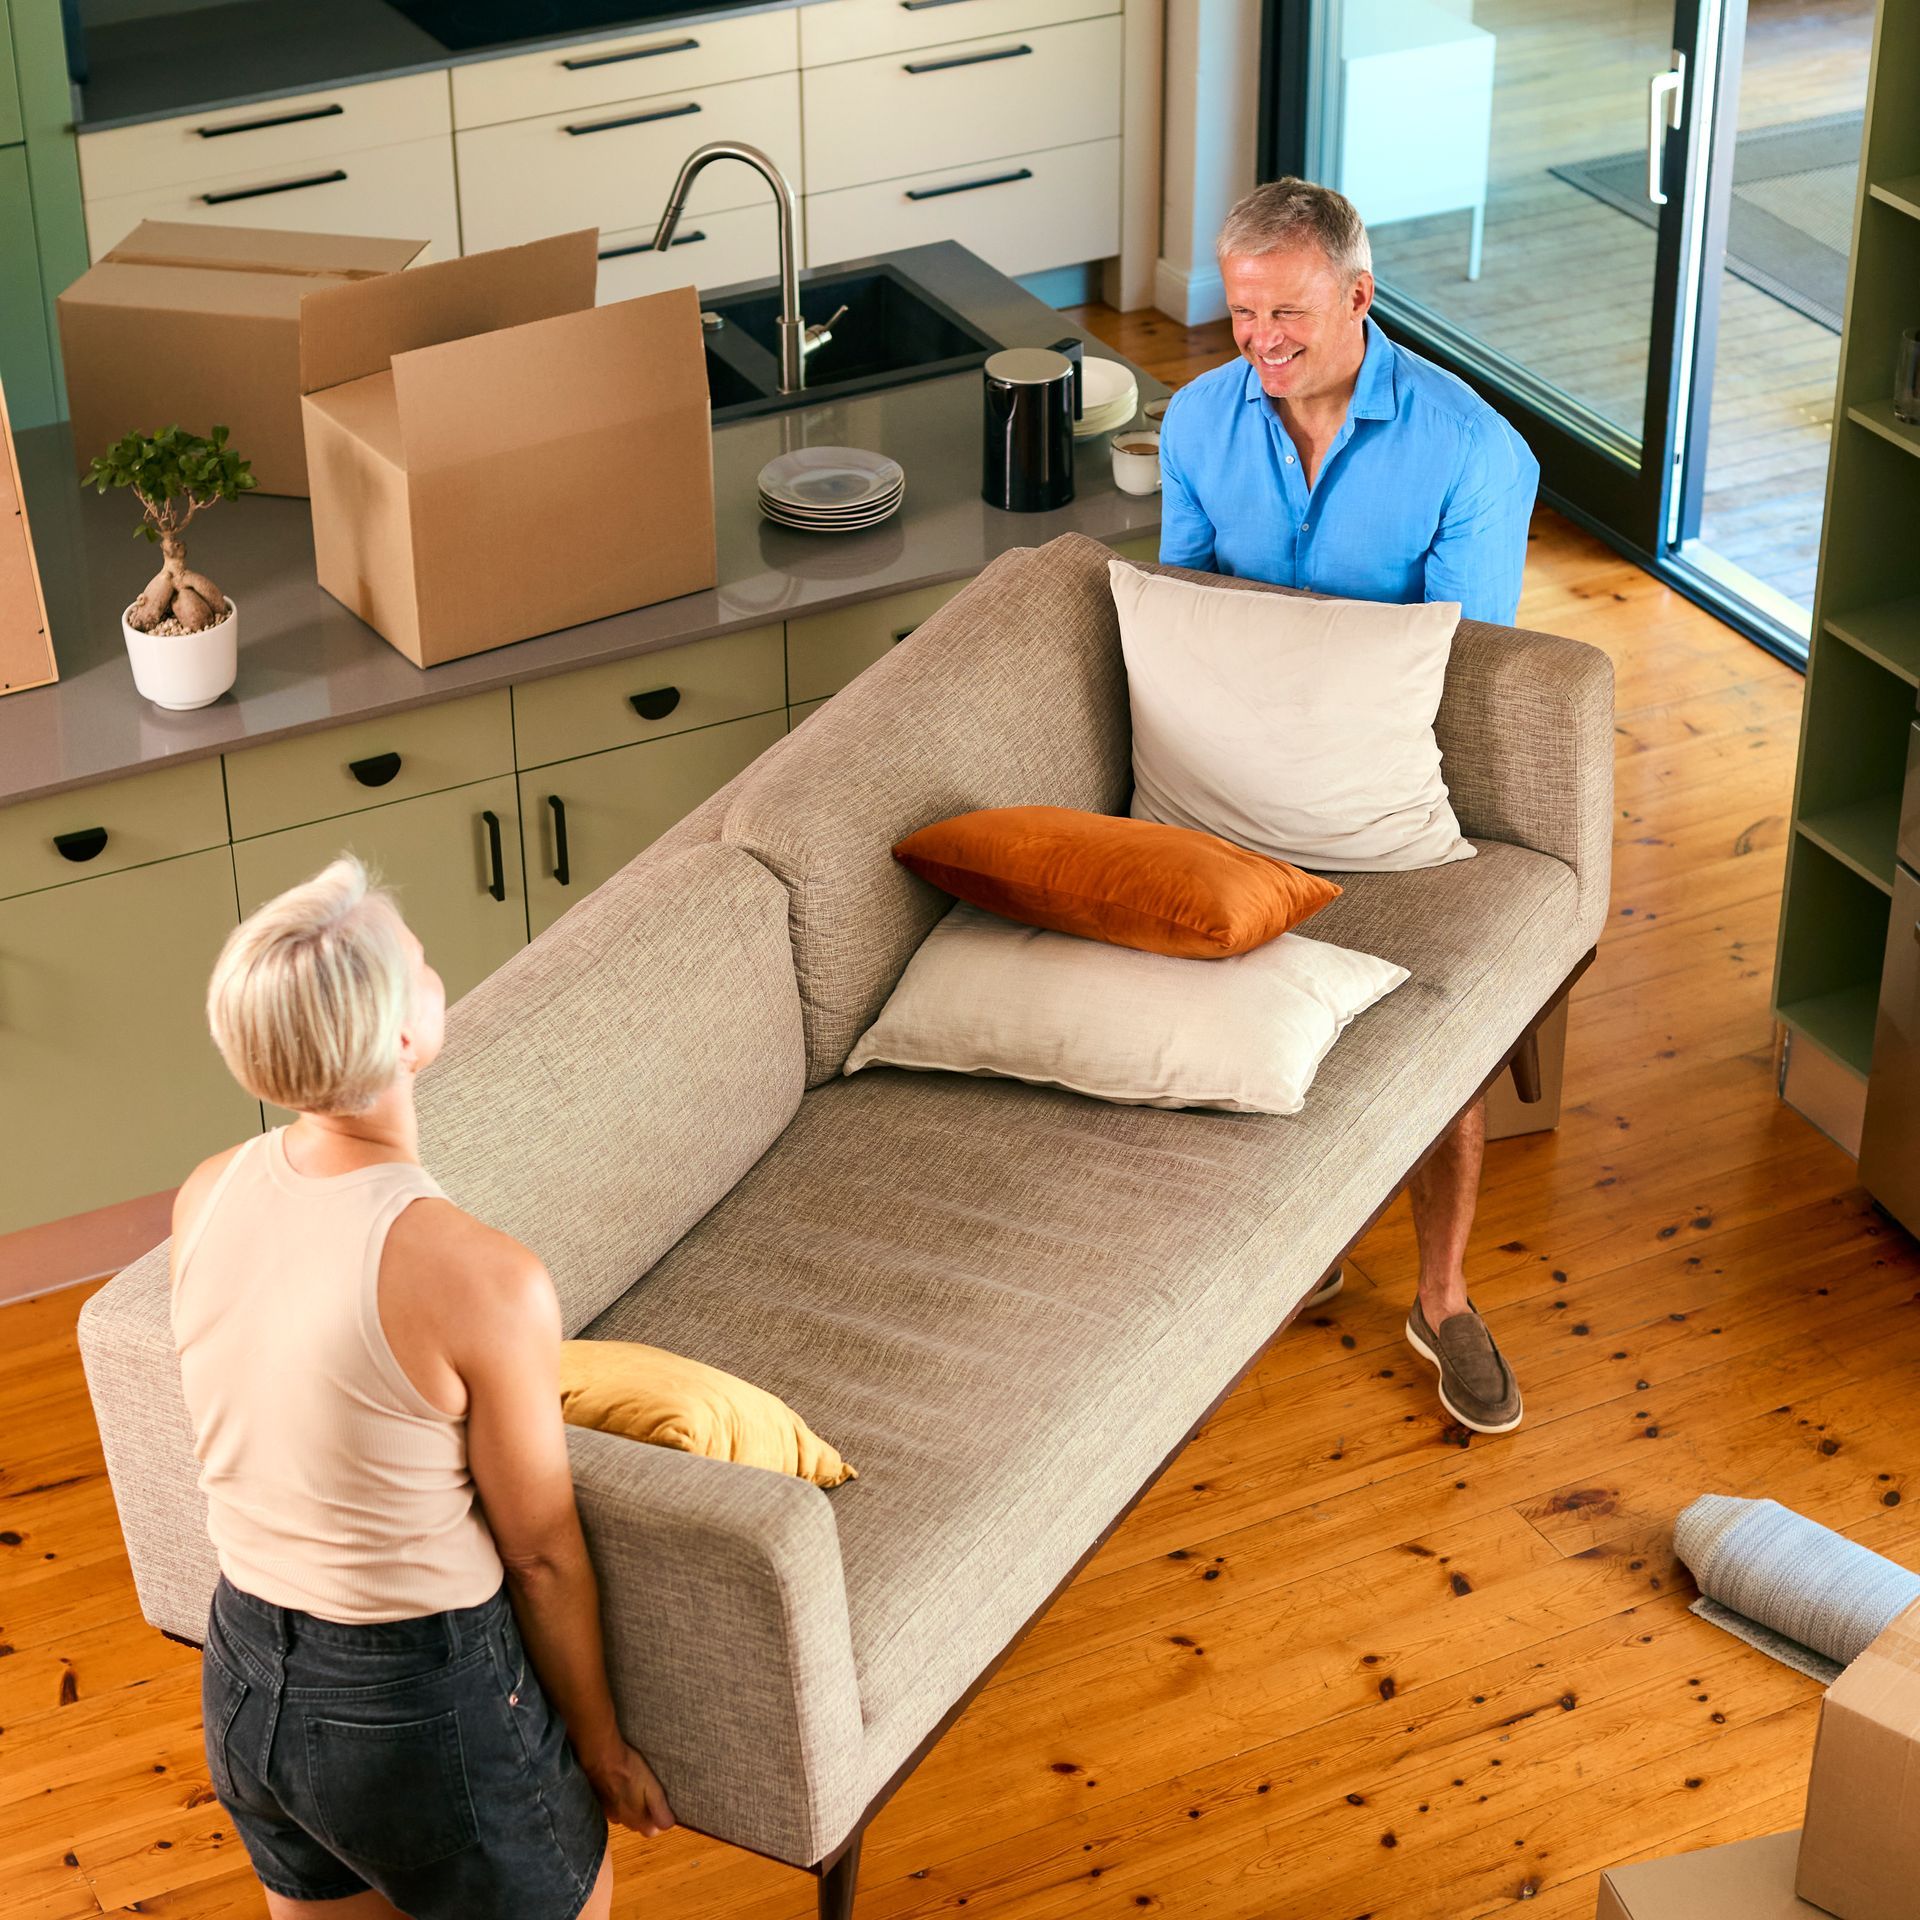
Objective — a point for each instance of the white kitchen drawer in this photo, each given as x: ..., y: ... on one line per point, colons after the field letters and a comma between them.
x: 529, y: 178
x: 965, y: 101
x: 709, y: 250
x: 273, y: 136
x: 1022, y: 214
x: 566, y: 79
x: 854, y: 29
x: 404, y: 192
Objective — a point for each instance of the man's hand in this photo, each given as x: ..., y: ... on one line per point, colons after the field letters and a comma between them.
x: 631, y: 1794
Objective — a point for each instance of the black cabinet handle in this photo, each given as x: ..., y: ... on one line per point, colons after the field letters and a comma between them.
x: 969, y: 186
x: 375, y: 770
x: 966, y: 59
x: 498, y: 885
x: 646, y: 246
x: 656, y: 704
x: 580, y: 62
x: 633, y: 119
x: 329, y: 112
x: 916, y: 6
x: 562, y: 871
x: 282, y: 186
x: 83, y: 844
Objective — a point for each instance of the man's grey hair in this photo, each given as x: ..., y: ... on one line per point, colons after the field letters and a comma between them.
x: 1291, y: 213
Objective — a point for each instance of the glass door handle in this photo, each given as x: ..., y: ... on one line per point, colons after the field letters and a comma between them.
x: 1663, y: 111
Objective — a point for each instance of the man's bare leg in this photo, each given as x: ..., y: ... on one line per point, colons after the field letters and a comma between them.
x: 1445, y: 1192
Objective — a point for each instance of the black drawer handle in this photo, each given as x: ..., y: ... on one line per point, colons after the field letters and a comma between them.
x: 581, y: 62
x: 84, y: 844
x: 375, y: 770
x: 966, y: 59
x: 968, y: 186
x: 330, y: 112
x: 497, y: 886
x: 656, y: 704
x: 562, y: 869
x: 633, y: 119
x: 646, y: 246
x: 282, y: 186
x: 916, y: 6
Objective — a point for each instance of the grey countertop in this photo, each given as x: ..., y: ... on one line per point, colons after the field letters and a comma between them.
x: 154, y: 66
x: 306, y: 662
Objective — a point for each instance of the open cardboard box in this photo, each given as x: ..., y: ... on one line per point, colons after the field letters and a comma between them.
x: 198, y: 327
x: 492, y: 456
x: 1749, y: 1880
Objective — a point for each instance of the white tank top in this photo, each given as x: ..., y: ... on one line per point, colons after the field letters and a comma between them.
x: 333, y: 1484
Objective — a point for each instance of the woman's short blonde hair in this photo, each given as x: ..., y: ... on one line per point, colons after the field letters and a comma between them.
x: 310, y: 994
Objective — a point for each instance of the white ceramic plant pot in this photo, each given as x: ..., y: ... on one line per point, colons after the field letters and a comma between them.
x: 180, y: 671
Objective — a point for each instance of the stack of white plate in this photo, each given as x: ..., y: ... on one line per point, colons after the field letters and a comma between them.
x: 831, y: 489
x: 1108, y: 396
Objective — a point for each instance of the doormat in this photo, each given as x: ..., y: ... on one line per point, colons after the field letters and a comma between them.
x: 1790, y: 225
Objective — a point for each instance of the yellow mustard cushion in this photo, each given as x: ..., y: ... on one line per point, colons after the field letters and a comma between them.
x: 667, y: 1400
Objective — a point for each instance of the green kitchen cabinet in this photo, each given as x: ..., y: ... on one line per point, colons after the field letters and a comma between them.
x: 12, y: 127
x: 113, y: 1088
x: 586, y: 818
x: 26, y: 361
x: 451, y: 860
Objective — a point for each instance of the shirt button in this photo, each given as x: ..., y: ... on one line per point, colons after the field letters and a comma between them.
x: 1303, y: 526
x: 1289, y: 459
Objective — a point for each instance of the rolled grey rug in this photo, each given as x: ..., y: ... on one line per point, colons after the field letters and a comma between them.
x: 1798, y: 1591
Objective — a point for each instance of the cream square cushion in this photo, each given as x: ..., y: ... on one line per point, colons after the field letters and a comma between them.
x: 1300, y: 728
x: 988, y: 996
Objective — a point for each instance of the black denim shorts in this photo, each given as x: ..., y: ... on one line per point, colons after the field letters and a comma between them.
x: 418, y: 1757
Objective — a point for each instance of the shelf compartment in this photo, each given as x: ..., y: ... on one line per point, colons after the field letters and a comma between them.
x: 1840, y: 1023
x: 1861, y: 835
x: 1877, y: 417
x: 1889, y: 635
x: 1902, y: 194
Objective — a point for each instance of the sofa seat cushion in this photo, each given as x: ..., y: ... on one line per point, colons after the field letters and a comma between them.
x: 1010, y: 1303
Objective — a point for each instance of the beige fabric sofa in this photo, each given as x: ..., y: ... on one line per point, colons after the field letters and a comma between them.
x: 1010, y: 1306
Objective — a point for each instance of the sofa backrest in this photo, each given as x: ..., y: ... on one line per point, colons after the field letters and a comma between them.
x: 612, y: 1081
x: 1013, y: 694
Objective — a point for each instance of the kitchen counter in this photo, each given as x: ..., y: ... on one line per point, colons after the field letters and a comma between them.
x: 154, y: 66
x: 307, y: 663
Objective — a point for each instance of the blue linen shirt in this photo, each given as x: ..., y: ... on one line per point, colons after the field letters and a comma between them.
x: 1425, y: 493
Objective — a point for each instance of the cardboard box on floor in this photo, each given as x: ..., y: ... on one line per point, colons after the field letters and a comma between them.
x: 1860, y: 1851
x: 200, y: 327
x: 493, y: 456
x: 1750, y: 1880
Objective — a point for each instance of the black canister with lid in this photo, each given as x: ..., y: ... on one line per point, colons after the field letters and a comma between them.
x: 1027, y: 412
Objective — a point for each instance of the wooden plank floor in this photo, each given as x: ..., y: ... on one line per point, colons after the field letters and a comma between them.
x: 1336, y: 1663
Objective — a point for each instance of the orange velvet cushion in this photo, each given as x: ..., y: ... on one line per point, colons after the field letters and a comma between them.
x: 1131, y: 883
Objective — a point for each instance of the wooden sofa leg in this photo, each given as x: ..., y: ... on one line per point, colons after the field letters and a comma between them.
x: 1526, y: 1067
x: 837, y: 1884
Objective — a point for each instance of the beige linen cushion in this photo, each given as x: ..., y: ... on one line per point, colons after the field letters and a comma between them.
x: 1301, y: 728
x: 988, y: 996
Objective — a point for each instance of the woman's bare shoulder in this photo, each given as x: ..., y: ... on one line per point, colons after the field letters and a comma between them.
x: 200, y: 1182
x: 440, y: 1246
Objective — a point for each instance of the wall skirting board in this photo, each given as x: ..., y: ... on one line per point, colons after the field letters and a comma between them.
x: 1191, y: 297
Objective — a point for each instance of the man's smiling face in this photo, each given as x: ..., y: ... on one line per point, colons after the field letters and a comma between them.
x: 1295, y: 320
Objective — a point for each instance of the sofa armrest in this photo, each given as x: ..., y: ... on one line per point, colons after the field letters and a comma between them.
x: 1526, y: 740
x: 725, y: 1615
x: 133, y: 1377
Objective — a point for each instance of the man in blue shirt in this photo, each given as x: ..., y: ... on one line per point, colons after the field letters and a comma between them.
x: 1328, y: 458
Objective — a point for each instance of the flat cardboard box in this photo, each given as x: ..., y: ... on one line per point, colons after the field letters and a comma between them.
x: 1860, y: 1853
x: 494, y: 457
x: 1749, y: 1880
x: 200, y: 327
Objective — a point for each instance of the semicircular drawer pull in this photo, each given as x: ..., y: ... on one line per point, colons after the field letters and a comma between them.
x: 375, y: 770
x: 656, y: 704
x: 85, y: 843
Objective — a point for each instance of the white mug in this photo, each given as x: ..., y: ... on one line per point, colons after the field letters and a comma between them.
x: 1136, y: 462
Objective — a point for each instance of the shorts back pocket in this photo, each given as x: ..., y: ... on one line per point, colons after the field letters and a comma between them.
x: 393, y: 1794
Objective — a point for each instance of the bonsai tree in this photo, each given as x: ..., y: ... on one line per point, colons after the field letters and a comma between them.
x: 174, y: 475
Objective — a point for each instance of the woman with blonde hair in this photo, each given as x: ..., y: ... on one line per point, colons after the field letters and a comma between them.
x: 404, y: 1689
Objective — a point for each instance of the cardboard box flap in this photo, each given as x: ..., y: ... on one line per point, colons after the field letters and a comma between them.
x: 493, y: 395
x: 179, y: 243
x: 349, y: 332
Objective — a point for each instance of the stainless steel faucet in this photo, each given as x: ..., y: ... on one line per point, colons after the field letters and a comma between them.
x: 797, y: 339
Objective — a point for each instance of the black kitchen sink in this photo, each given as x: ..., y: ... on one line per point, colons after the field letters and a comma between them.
x: 893, y: 332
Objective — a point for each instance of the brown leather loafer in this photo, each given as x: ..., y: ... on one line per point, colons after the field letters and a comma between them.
x: 1476, y: 1385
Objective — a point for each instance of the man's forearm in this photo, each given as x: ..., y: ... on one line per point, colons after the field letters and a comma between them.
x: 557, y: 1602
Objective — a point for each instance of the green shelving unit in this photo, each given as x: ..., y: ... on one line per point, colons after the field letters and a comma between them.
x: 1863, y: 667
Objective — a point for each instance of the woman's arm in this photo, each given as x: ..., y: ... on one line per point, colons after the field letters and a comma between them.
x: 509, y: 1356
